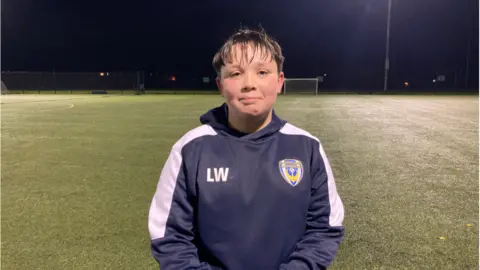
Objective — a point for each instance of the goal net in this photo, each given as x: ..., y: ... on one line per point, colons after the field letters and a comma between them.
x: 300, y: 86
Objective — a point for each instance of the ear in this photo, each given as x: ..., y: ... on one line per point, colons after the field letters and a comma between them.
x: 281, y: 79
x: 219, y: 85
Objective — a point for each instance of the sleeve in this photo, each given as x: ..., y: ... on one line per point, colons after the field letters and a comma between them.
x: 324, y: 231
x: 170, y: 220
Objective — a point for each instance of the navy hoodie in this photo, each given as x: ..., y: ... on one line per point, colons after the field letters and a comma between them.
x: 227, y: 200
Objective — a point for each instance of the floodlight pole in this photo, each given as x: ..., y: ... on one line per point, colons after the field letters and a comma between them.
x: 468, y: 63
x: 387, y: 47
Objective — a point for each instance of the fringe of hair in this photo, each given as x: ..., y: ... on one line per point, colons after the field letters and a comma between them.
x: 259, y: 40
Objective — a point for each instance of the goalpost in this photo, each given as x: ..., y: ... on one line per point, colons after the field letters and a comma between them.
x: 300, y: 86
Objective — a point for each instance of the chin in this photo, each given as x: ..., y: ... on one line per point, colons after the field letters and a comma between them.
x: 253, y: 112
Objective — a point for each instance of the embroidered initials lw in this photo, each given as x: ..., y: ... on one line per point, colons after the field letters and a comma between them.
x: 220, y: 174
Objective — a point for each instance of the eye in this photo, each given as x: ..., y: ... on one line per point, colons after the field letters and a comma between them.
x: 263, y: 73
x: 234, y: 74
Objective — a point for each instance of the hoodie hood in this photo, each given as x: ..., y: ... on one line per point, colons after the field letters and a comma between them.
x: 217, y: 118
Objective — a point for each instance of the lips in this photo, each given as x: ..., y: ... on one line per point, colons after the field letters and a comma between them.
x: 249, y: 99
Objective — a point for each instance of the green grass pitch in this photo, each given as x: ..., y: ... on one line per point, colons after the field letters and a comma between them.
x: 79, y: 171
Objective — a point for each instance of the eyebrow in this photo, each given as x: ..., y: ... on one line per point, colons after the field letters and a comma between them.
x: 257, y: 64
x: 232, y: 66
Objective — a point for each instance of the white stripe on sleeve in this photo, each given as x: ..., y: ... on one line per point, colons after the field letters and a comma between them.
x: 162, y: 200
x: 336, y: 206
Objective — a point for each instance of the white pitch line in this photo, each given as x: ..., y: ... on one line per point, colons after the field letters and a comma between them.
x: 71, y: 105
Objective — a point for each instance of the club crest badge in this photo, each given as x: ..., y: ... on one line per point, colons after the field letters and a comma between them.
x: 291, y: 170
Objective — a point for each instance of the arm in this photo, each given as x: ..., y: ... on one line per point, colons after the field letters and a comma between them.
x: 324, y: 231
x: 170, y: 221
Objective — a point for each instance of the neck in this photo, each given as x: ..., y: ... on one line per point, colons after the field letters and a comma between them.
x: 248, y: 124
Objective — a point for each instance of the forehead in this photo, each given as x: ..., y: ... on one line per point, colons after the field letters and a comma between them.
x: 244, y: 54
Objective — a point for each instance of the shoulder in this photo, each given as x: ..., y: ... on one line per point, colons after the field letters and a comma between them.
x: 314, y: 142
x: 291, y: 130
x: 193, y: 135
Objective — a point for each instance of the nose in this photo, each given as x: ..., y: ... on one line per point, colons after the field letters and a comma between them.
x: 248, y: 82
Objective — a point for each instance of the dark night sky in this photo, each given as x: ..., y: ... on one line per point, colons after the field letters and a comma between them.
x: 340, y: 37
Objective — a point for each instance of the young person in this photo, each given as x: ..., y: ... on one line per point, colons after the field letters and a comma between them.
x: 246, y: 190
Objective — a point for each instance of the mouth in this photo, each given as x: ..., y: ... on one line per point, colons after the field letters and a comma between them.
x: 249, y: 99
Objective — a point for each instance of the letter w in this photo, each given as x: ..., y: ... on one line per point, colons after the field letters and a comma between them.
x: 221, y: 173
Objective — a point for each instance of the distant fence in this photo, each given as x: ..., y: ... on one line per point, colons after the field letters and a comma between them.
x: 153, y: 83
x: 69, y: 81
x: 122, y: 80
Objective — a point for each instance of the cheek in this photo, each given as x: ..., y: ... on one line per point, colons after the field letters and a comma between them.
x: 230, y: 89
x: 270, y: 89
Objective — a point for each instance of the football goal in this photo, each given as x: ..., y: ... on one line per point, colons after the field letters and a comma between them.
x: 293, y: 86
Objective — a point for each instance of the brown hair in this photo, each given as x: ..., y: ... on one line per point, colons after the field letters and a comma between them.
x: 258, y: 39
